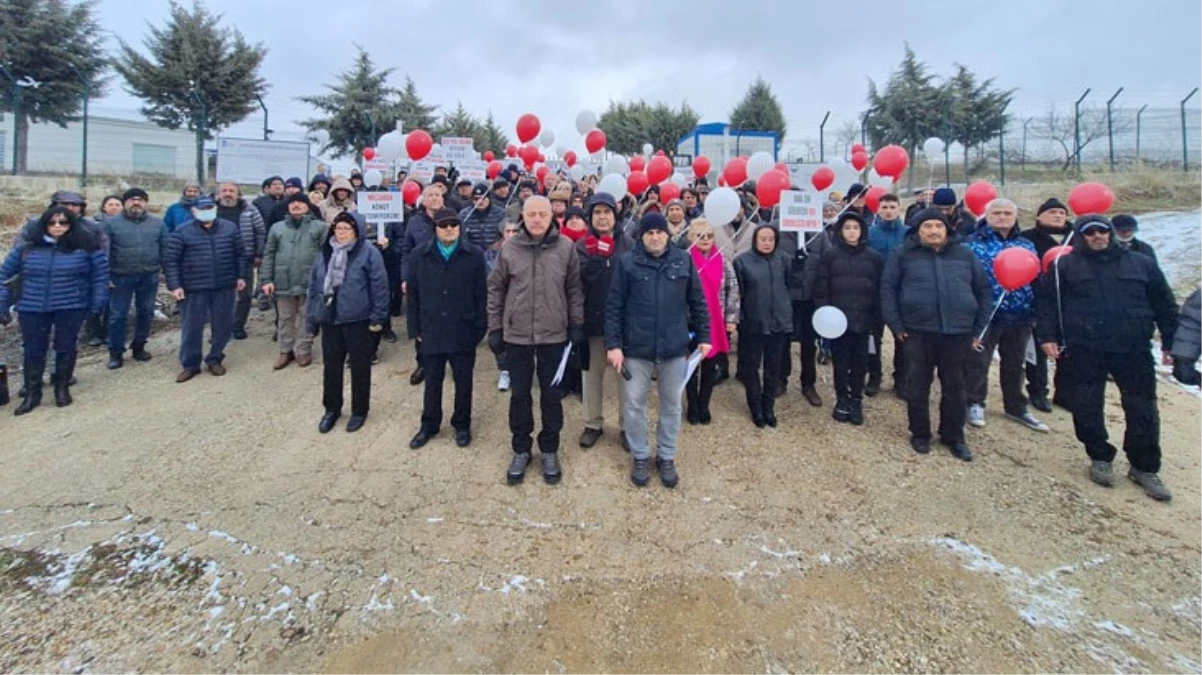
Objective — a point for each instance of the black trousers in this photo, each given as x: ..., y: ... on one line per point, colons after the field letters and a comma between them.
x: 1037, y: 377
x: 875, y: 367
x: 803, y: 332
x: 849, y: 352
x: 462, y: 366
x: 756, y: 351
x: 526, y: 361
x: 700, y: 387
x: 338, y: 344
x: 1135, y: 375
x: 926, y: 353
x: 1010, y: 341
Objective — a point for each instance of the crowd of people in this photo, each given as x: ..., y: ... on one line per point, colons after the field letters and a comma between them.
x: 566, y: 284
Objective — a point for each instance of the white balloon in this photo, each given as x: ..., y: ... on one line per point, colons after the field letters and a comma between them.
x: 648, y: 150
x: 758, y: 164
x: 830, y: 322
x: 404, y: 148
x: 875, y: 178
x: 390, y: 146
x: 576, y: 172
x: 933, y: 147
x: 546, y: 138
x: 435, y: 150
x: 586, y: 121
x: 721, y: 206
x: 679, y: 180
x: 372, y: 178
x: 320, y: 137
x: 617, y: 165
x: 561, y: 149
x: 615, y: 184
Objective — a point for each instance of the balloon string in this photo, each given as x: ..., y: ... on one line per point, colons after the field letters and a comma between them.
x: 980, y: 348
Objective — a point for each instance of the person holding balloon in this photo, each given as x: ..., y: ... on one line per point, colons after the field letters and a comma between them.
x: 1011, y: 265
x: 1052, y: 229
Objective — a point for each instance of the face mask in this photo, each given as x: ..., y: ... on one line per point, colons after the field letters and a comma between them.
x: 1126, y: 239
x: 207, y: 215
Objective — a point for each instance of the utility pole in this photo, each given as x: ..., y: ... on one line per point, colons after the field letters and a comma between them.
x: 1184, y: 143
x: 1138, y: 115
x: 87, y: 94
x: 266, y: 129
x: 15, y: 95
x: 1025, y: 125
x: 1110, y: 125
x: 1077, y: 130
x: 200, y: 134
x: 822, y: 137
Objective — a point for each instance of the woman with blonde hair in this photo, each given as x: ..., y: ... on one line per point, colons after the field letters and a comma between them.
x: 722, y: 299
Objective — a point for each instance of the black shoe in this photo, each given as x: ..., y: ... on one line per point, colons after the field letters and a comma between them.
x: 811, y: 396
x: 327, y: 422
x: 589, y: 437
x: 240, y: 334
x: 640, y: 472
x: 959, y: 450
x: 770, y: 418
x: 116, y: 360
x: 758, y: 420
x: 140, y: 354
x: 692, y: 416
x: 62, y: 394
x: 856, y: 414
x: 517, y: 468
x: 264, y: 303
x: 95, y: 341
x: 704, y: 416
x: 31, y: 400
x: 1041, y: 403
x: 390, y: 337
x: 418, y: 376
x: 463, y: 438
x: 551, y: 472
x: 921, y: 445
x: 355, y: 423
x: 874, y: 385
x: 842, y: 411
x: 421, y: 438
x: 667, y: 472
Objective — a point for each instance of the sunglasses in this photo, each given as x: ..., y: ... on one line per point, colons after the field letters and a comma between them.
x: 444, y: 226
x: 59, y: 221
x: 704, y: 237
x: 1094, y: 231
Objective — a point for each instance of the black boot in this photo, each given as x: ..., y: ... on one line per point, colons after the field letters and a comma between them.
x: 32, y: 397
x: 65, y: 367
x: 756, y: 408
x: 856, y: 411
x: 692, y: 408
x: 842, y: 411
x: 769, y: 407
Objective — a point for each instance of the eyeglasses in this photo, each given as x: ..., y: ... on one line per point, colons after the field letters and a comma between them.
x: 59, y: 222
x: 444, y: 226
x: 704, y: 237
x: 1094, y: 231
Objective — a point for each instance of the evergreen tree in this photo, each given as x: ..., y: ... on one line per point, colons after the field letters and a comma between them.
x: 413, y: 113
x: 759, y: 110
x: 460, y: 123
x: 628, y: 126
x: 976, y: 111
x: 494, y: 137
x: 909, y: 110
x: 56, y: 45
x: 192, y: 58
x: 358, y: 109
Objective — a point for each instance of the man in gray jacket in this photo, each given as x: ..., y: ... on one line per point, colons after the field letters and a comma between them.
x: 136, y: 244
x: 232, y: 207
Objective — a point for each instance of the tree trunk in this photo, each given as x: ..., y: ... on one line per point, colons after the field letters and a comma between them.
x: 967, y: 180
x: 21, y: 126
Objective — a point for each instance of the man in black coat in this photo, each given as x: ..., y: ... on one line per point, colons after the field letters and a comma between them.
x: 1098, y: 320
x: 273, y: 195
x: 419, y: 229
x: 936, y: 298
x: 1125, y: 227
x: 1052, y: 228
x: 447, y: 288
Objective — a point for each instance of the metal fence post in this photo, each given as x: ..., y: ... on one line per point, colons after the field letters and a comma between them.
x: 1110, y: 126
x: 822, y: 137
x: 87, y: 94
x: 1184, y: 141
x: 1001, y: 155
x: 200, y: 135
x: 1077, y: 130
x: 1139, y: 114
x: 1025, y: 125
x: 266, y: 128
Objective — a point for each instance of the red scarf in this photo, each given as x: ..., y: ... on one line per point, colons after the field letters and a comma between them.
x: 574, y: 235
x: 710, y: 269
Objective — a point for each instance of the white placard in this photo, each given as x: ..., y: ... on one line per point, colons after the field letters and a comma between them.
x: 800, y: 211
x: 457, y: 149
x: 381, y: 207
x: 422, y: 172
x: 385, y: 168
x: 248, y: 162
x: 473, y: 170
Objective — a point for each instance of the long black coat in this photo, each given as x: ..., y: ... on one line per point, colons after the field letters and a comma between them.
x: 849, y: 278
x: 448, y: 299
x: 946, y: 292
x: 765, y: 303
x: 596, y: 272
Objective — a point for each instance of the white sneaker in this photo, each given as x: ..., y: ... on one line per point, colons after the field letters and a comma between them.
x: 1030, y: 421
x: 503, y: 381
x: 976, y: 415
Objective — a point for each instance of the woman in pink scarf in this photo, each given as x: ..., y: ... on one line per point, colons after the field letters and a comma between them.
x: 722, y: 298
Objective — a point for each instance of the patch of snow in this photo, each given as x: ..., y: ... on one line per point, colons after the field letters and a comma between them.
x: 541, y: 526
x: 433, y: 520
x: 515, y: 583
x: 374, y: 605
x: 791, y: 555
x: 419, y: 598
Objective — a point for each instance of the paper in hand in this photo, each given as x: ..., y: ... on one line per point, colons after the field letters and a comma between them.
x: 694, y: 361
x: 563, y: 365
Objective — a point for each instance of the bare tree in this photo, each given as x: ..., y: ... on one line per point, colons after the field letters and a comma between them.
x: 845, y: 137
x: 1058, y: 128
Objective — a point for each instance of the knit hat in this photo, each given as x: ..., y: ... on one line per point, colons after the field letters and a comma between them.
x: 602, y: 199
x: 1125, y: 222
x: 652, y: 221
x: 271, y: 179
x: 500, y: 183
x: 574, y: 212
x: 929, y: 213
x: 852, y: 215
x: 1050, y: 204
x: 67, y: 197
x: 295, y: 182
x: 463, y: 181
x: 320, y: 178
x: 441, y: 179
x: 674, y: 202
x: 444, y: 215
x: 527, y: 184
x: 480, y: 190
x: 298, y: 197
x: 854, y: 191
x: 135, y: 192
x: 561, y: 193
x: 1093, y: 221
x: 944, y: 196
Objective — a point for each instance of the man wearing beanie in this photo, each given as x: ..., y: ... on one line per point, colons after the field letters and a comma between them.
x: 482, y: 222
x: 137, y: 241
x: 1051, y: 229
x: 654, y: 298
x: 962, y: 222
x: 181, y: 212
x: 535, y: 308
x: 674, y: 212
x: 1097, y: 320
x: 936, y: 299
x: 1125, y: 227
x: 273, y: 194
x: 293, y: 245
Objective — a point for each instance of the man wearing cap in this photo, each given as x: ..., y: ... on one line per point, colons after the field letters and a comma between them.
x: 137, y: 243
x: 855, y: 201
x: 1098, y: 320
x: 963, y: 223
x: 447, y: 319
x: 232, y: 207
x: 500, y: 193
x: 935, y: 298
x: 526, y: 189
x: 535, y: 307
x: 1051, y: 229
x: 1125, y: 227
x: 181, y: 212
x: 482, y: 221
x: 273, y: 194
x: 293, y: 245
x: 462, y: 199
x: 654, y: 297
x: 205, y: 265
x: 922, y: 199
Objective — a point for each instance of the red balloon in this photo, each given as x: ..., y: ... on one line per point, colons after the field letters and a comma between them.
x: 528, y: 128
x: 637, y: 163
x: 569, y: 158
x: 721, y: 181
x: 1090, y: 198
x: 735, y: 171
x: 1015, y: 268
x: 594, y: 141
x: 769, y: 187
x: 668, y: 191
x: 511, y: 150
x: 1053, y: 254
x: 494, y: 169
x: 418, y: 144
x: 410, y: 191
x: 659, y: 153
x: 488, y: 156
x: 859, y: 147
x: 782, y: 167
x: 637, y: 183
x: 872, y: 198
x: 978, y: 195
x: 859, y: 160
x: 659, y: 169
x: 529, y: 155
x: 541, y: 173
x: 891, y: 161
x: 369, y: 154
x: 823, y: 178
x: 541, y: 157
x: 701, y: 166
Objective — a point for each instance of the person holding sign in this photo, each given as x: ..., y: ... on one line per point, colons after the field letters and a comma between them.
x: 654, y: 297
x: 765, y: 322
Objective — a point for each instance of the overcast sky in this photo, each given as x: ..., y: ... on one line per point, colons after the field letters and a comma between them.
x: 556, y: 58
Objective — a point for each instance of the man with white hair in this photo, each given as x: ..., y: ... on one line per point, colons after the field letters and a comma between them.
x: 1010, y: 331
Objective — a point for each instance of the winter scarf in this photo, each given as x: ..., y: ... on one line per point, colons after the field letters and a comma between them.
x: 710, y: 268
x: 336, y: 271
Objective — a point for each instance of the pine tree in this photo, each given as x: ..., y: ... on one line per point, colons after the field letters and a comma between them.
x: 909, y: 110
x: 413, y: 113
x: 57, y: 45
x: 193, y: 58
x: 976, y: 111
x: 759, y: 110
x: 494, y: 137
x: 460, y: 123
x: 628, y: 126
x: 359, y: 108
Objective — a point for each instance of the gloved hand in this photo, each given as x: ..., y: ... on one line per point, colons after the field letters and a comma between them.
x: 1185, y: 373
x: 576, y: 336
x: 6, y: 318
x: 605, y: 246
x: 496, y: 342
x: 590, y: 245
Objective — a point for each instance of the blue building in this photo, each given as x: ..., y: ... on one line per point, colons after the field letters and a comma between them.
x: 721, y: 142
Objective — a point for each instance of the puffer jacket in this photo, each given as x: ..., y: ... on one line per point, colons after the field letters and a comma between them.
x: 265, y: 204
x: 94, y: 228
x: 765, y: 304
x: 596, y: 275
x: 55, y: 278
x: 1187, y: 341
x: 363, y: 295
x: 482, y: 228
x: 331, y: 207
x: 986, y: 244
x: 448, y: 298
x: 1044, y: 237
x: 849, y: 278
x: 136, y: 246
x: 292, y: 247
x: 205, y: 259
x: 534, y: 290
x: 419, y: 228
x: 818, y: 245
x: 652, y: 303
x: 250, y: 223
x: 886, y: 235
x: 945, y: 292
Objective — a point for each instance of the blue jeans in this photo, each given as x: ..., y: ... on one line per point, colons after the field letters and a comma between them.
x: 36, y: 327
x: 634, y: 401
x: 197, y: 309
x: 141, y: 290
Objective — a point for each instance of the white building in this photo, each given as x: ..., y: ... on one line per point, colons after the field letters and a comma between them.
x: 115, y: 146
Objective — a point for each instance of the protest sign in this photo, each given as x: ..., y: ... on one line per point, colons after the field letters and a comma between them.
x: 800, y: 211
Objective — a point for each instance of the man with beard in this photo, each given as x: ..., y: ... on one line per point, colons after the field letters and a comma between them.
x: 1052, y: 228
x: 293, y: 245
x: 232, y: 207
x: 137, y: 242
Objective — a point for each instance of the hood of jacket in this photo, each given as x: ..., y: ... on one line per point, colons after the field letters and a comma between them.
x: 755, y: 235
x: 341, y: 183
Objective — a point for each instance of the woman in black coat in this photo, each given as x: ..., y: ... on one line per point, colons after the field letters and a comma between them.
x: 765, y: 322
x: 849, y: 278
